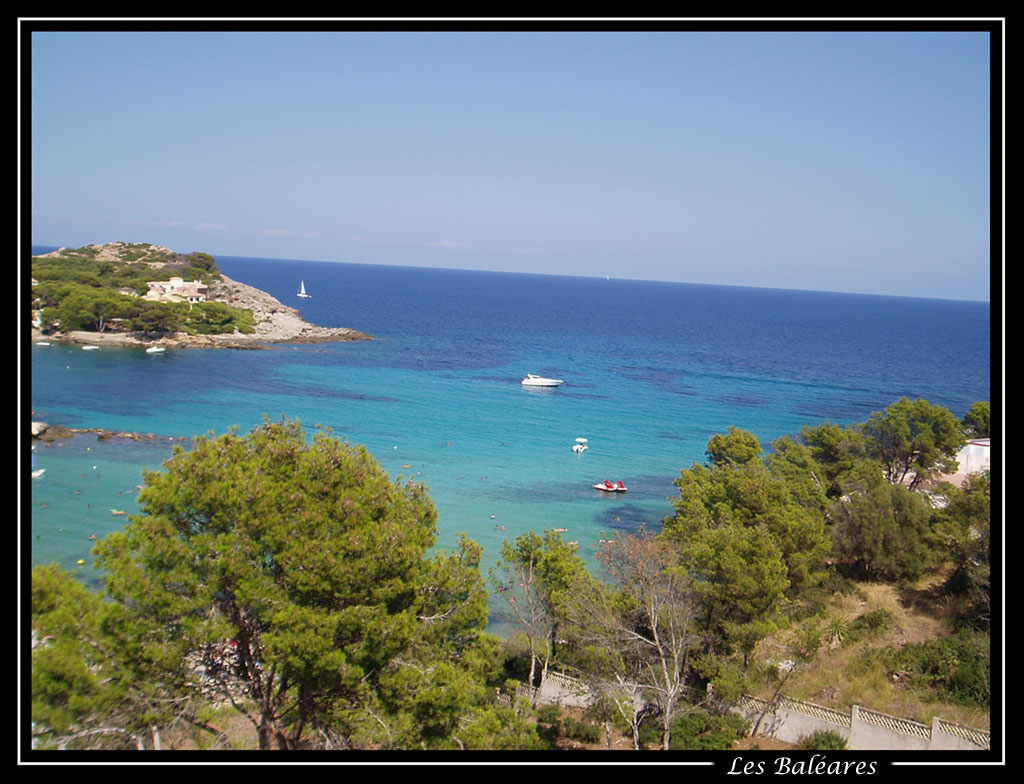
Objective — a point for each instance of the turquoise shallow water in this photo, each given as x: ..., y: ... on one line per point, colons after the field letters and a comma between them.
x: 651, y: 371
x: 84, y: 480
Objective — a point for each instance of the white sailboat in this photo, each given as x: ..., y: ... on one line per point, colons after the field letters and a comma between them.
x: 302, y: 290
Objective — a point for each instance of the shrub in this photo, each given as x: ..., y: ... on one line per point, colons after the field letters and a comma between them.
x: 822, y: 740
x: 841, y: 585
x: 549, y: 714
x: 808, y: 640
x: 582, y: 731
x: 837, y: 629
x: 701, y: 731
x: 870, y: 624
x: 956, y: 668
x: 650, y: 731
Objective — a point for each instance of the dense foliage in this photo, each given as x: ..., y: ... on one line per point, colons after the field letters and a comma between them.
x: 292, y: 579
x: 534, y: 576
x: 956, y: 668
x: 977, y: 421
x: 750, y: 537
x: 76, y: 291
x: 823, y: 740
x: 288, y: 576
x: 884, y: 533
x: 88, y: 690
x: 699, y: 730
x: 913, y: 440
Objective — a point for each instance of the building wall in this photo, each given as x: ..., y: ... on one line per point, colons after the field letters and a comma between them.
x: 974, y: 457
x: 790, y: 720
x: 864, y: 730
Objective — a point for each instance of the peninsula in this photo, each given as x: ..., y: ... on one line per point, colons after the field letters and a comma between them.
x: 140, y: 295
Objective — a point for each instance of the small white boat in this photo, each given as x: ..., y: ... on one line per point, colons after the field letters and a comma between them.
x: 610, y: 487
x: 533, y: 380
x: 42, y: 343
x: 580, y: 446
x: 155, y: 350
x: 90, y: 348
x: 302, y: 290
x: 38, y: 473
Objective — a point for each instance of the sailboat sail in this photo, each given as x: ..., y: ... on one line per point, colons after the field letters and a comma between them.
x: 302, y: 289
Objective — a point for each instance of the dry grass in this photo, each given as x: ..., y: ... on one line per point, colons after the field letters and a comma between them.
x: 237, y: 731
x: 837, y: 677
x: 842, y: 675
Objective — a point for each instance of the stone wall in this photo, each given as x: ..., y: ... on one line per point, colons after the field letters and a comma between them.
x: 790, y: 720
x: 865, y: 730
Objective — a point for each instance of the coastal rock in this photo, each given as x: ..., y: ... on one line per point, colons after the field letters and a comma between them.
x: 54, y: 433
x: 51, y: 433
x: 273, y: 321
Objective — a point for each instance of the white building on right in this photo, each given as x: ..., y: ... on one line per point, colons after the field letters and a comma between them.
x: 974, y: 456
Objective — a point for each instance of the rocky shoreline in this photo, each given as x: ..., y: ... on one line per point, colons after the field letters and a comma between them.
x: 259, y: 341
x: 273, y: 321
x: 47, y: 433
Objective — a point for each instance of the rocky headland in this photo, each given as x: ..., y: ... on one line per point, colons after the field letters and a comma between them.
x: 273, y: 321
x: 47, y: 433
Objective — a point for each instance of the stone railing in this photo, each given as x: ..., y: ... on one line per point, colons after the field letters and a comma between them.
x: 830, y: 715
x: 891, y: 723
x: 790, y: 720
x: 979, y: 738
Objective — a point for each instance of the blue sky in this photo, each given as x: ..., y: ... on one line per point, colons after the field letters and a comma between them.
x: 839, y: 161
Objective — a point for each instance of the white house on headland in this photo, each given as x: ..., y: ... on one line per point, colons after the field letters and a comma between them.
x: 177, y: 290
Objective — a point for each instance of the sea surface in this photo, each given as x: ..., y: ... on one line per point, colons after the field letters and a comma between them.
x: 651, y: 370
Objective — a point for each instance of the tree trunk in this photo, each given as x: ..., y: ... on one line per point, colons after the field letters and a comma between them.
x: 266, y: 735
x: 757, y: 726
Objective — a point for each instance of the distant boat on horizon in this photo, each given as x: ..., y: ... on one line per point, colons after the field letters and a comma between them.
x: 302, y: 290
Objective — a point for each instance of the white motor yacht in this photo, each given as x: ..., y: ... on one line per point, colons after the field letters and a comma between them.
x: 533, y: 380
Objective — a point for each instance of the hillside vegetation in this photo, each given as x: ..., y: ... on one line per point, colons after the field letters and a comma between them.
x: 289, y: 580
x: 100, y: 288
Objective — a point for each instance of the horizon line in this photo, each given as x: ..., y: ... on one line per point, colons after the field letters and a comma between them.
x: 568, y: 275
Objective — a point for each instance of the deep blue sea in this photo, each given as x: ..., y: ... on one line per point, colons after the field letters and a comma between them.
x: 651, y: 371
